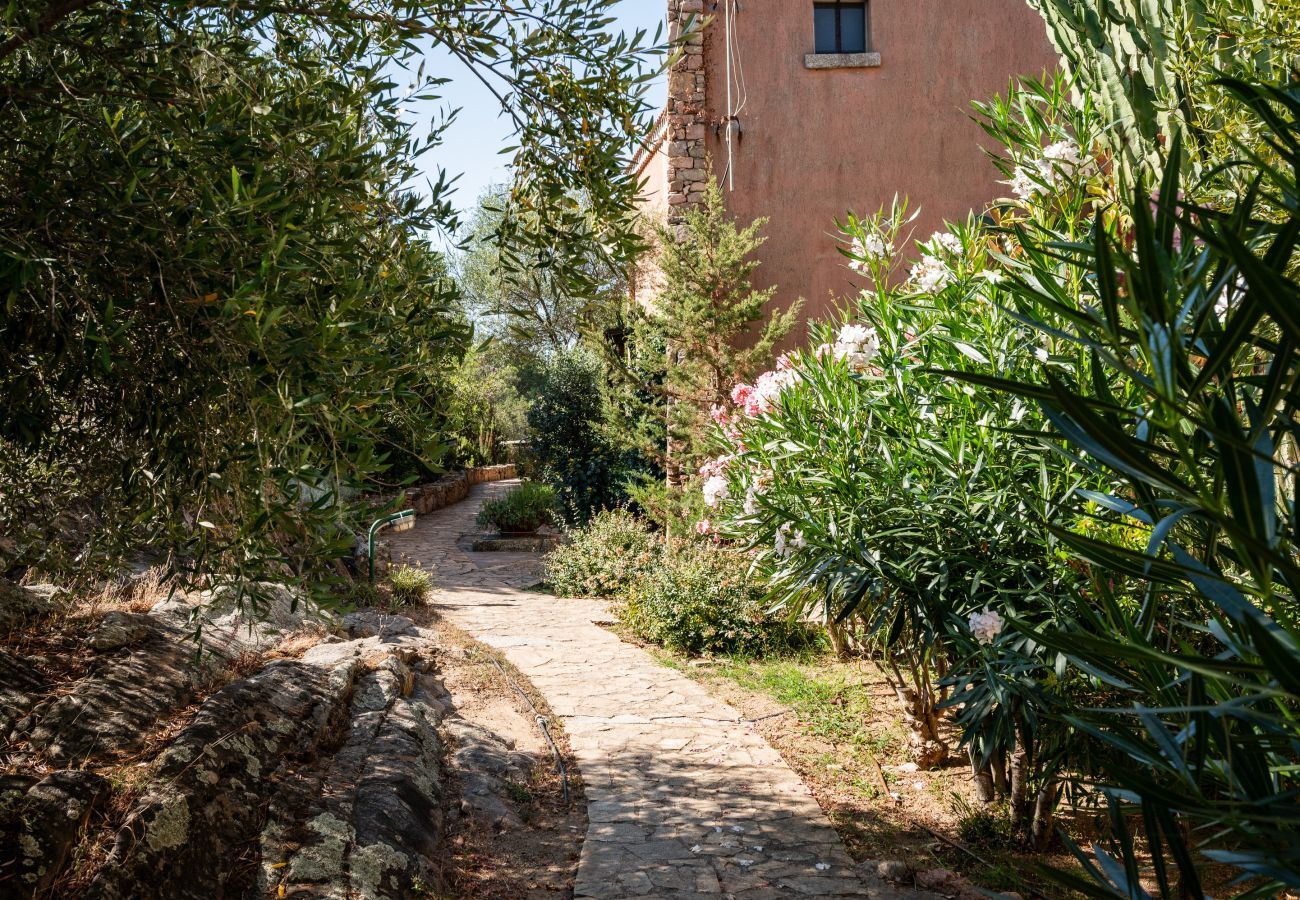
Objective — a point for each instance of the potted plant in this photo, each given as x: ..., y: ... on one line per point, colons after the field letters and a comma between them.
x: 520, y: 512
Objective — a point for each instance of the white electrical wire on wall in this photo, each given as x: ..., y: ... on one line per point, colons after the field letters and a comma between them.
x: 737, y: 91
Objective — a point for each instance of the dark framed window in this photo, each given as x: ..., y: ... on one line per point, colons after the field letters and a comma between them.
x: 840, y: 27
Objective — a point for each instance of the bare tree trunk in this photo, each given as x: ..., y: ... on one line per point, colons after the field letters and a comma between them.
x: 1000, y: 781
x: 839, y: 641
x: 921, y: 717
x: 1040, y: 833
x: 984, y: 783
x: 1020, y: 774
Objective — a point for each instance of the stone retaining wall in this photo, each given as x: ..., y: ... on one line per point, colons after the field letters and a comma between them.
x: 453, y: 488
x: 426, y: 498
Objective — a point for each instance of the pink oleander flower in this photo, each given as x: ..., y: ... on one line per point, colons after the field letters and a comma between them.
x: 719, y: 415
x: 823, y: 351
x: 712, y: 467
x: 704, y: 526
x: 784, y: 362
x: 741, y: 393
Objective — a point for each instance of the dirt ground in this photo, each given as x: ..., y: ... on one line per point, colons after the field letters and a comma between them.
x: 539, y: 861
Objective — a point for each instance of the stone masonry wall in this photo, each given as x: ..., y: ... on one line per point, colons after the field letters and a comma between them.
x: 687, y: 116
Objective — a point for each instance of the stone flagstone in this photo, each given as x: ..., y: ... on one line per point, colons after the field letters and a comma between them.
x: 684, y: 798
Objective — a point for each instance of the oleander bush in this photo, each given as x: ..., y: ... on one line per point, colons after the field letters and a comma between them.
x: 522, y: 511
x: 607, y: 558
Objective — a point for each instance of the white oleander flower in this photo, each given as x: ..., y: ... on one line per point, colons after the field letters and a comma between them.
x: 986, y: 625
x: 946, y: 242
x: 857, y: 345
x: 715, y: 490
x: 1059, y: 162
x: 870, y: 247
x: 931, y: 274
x: 787, y: 540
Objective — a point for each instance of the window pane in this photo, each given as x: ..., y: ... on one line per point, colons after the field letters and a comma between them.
x: 853, y: 28
x: 824, y: 25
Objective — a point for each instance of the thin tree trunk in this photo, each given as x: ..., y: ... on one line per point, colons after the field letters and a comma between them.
x: 984, y: 783
x: 1020, y: 789
x: 999, y: 765
x: 1040, y: 834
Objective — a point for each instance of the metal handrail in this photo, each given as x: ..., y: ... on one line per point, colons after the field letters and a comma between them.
x: 374, y: 529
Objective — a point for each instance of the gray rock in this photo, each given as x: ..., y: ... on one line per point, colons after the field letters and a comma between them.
x: 375, y: 623
x: 203, y: 809
x: 369, y: 823
x: 118, y: 705
x: 894, y: 870
x: 20, y: 605
x: 21, y: 686
x: 40, y: 822
x: 121, y: 629
x: 484, y: 763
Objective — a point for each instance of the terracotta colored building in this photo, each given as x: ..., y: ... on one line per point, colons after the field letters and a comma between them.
x: 808, y: 109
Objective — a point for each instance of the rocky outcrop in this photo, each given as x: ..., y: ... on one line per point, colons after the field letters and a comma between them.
x: 21, y: 687
x: 147, y: 666
x: 115, y: 707
x: 40, y: 822
x: 204, y: 806
x: 324, y: 776
x: 368, y: 821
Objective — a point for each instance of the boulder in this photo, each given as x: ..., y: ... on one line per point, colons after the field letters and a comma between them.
x: 40, y: 822
x: 203, y: 809
x: 21, y: 605
x: 21, y: 686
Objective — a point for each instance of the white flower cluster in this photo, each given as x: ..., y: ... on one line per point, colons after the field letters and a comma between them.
x: 931, y: 274
x: 1058, y: 162
x: 870, y: 247
x: 986, y: 625
x: 857, y: 345
x: 770, y: 385
x: 715, y: 490
x: 787, y: 543
x: 945, y: 242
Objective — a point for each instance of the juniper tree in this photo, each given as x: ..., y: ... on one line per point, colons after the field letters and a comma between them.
x: 714, y: 325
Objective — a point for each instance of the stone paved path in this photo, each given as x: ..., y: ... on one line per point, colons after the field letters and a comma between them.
x: 684, y: 799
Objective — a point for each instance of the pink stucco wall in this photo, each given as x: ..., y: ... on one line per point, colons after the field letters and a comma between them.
x: 817, y: 143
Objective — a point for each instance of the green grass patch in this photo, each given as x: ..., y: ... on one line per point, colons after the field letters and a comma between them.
x: 827, y: 697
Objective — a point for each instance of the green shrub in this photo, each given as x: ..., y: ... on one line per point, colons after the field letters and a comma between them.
x: 522, y: 511
x: 605, y: 559
x: 699, y: 600
x: 570, y: 446
x: 985, y: 827
x: 408, y: 586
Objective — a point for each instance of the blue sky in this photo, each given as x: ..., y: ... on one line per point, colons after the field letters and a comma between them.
x: 472, y: 143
